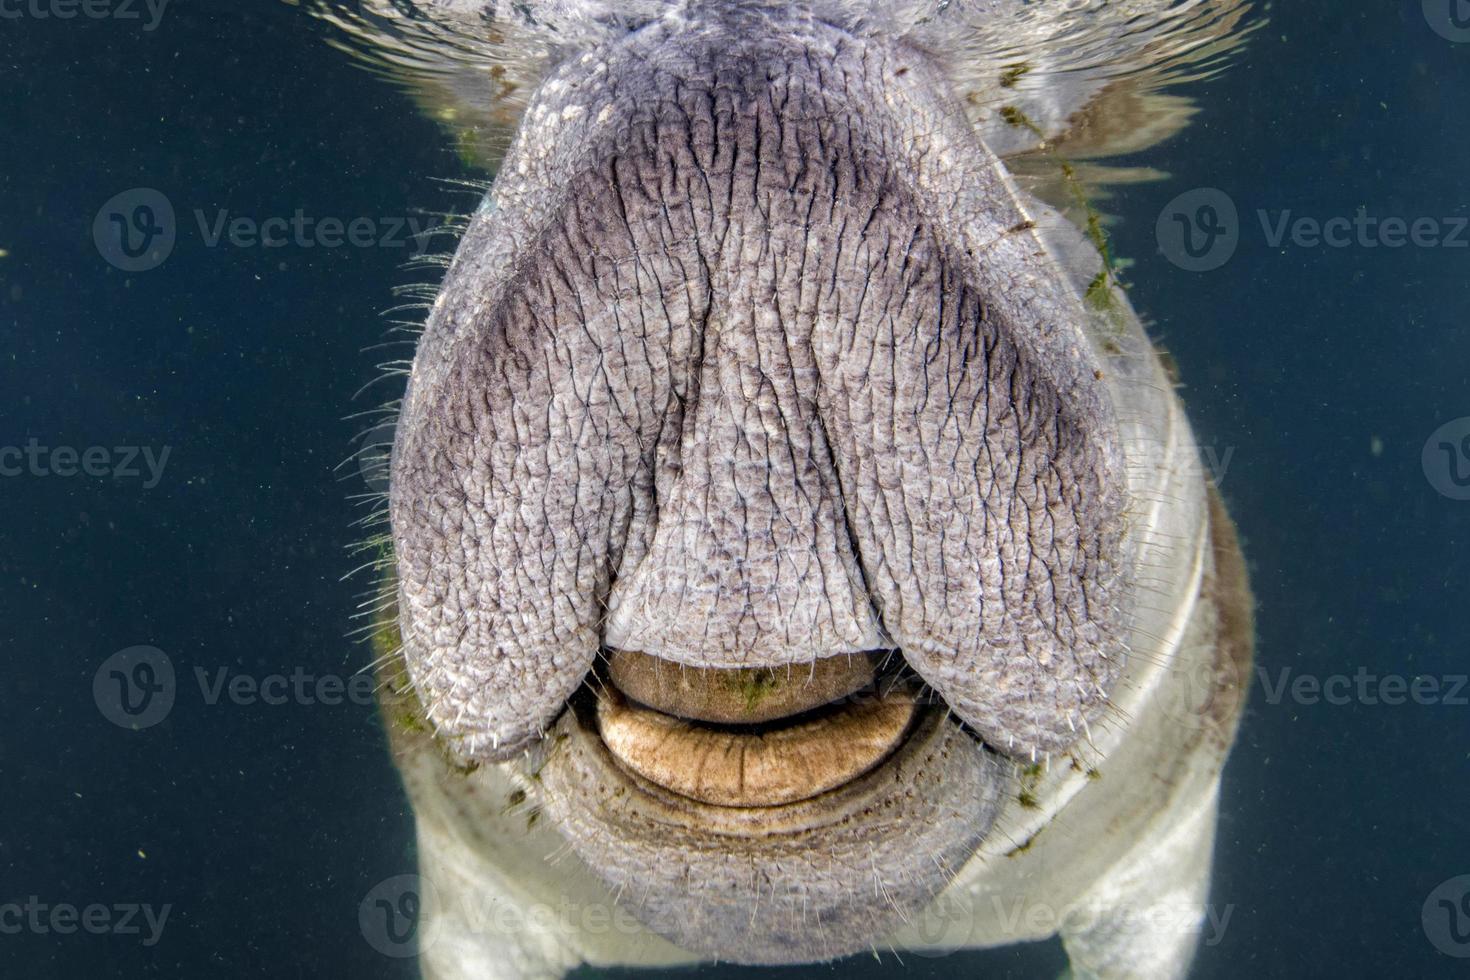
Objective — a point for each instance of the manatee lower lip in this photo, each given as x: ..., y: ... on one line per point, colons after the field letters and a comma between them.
x: 774, y: 765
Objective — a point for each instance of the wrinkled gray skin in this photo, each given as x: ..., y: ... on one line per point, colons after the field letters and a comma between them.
x: 749, y: 359
x: 742, y: 368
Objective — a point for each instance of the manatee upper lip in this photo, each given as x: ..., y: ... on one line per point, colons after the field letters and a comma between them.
x: 742, y: 695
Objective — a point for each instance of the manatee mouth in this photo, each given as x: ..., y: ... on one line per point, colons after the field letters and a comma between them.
x: 753, y: 737
x: 820, y: 855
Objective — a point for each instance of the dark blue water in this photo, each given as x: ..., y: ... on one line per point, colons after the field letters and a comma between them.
x: 1316, y: 374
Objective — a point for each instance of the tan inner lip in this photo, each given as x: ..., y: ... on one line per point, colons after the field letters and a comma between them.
x: 740, y: 696
x: 736, y: 768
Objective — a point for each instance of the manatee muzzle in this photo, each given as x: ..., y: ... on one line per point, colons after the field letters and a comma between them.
x: 755, y: 366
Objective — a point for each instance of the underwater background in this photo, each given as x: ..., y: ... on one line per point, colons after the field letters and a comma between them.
x: 205, y: 397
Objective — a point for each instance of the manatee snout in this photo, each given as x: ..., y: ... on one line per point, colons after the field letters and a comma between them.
x: 758, y: 361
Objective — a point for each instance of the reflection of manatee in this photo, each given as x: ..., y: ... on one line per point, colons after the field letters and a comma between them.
x: 797, y: 541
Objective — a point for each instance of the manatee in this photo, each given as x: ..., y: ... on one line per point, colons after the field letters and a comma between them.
x: 798, y: 548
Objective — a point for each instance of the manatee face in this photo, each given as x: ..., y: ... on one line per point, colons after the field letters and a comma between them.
x: 756, y: 488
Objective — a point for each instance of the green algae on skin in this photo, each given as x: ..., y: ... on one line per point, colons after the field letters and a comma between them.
x: 398, y: 701
x: 1099, y: 294
x: 1024, y: 846
x: 1030, y: 779
x: 754, y: 685
x: 1013, y: 74
x: 1015, y: 117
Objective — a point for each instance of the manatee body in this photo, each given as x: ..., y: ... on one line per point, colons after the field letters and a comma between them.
x: 799, y: 547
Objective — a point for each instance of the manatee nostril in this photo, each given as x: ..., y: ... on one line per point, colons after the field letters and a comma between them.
x: 740, y: 695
